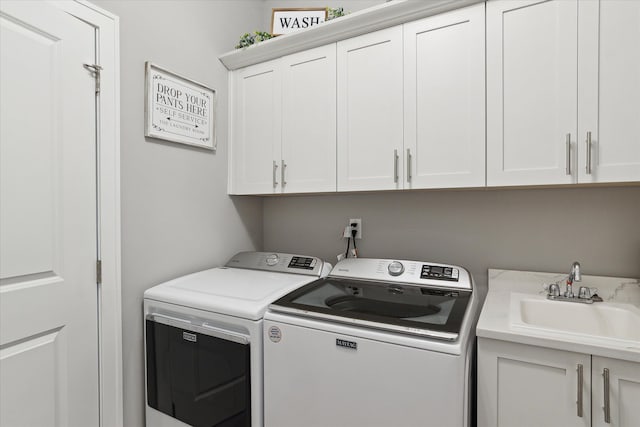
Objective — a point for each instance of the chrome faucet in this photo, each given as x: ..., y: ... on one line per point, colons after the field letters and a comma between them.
x: 585, y: 294
x: 574, y: 276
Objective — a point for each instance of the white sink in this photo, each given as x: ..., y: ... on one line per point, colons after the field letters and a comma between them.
x: 600, y: 319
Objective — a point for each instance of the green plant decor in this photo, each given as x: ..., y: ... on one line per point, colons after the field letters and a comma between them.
x: 335, y: 12
x: 248, y: 39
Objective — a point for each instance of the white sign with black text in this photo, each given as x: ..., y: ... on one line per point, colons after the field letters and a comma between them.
x: 179, y: 109
x: 286, y: 21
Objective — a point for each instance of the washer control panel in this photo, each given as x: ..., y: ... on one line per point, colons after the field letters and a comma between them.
x: 439, y: 272
x: 404, y: 271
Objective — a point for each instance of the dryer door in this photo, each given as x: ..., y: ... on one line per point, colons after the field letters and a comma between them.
x: 197, y: 374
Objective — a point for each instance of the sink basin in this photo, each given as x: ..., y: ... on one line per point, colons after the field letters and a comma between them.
x: 601, y: 319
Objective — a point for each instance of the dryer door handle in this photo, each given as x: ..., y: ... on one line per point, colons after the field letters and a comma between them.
x: 204, y: 328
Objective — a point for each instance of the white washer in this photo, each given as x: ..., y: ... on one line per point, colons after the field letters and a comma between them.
x: 203, y: 339
x: 376, y: 343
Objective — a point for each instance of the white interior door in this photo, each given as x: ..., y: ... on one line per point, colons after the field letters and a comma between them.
x: 48, y: 231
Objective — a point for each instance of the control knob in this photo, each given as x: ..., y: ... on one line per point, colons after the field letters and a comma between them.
x: 395, y: 268
x: 272, y: 260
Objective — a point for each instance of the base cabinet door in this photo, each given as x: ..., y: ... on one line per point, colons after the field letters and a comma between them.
x: 616, y: 393
x: 370, y: 116
x: 609, y: 91
x: 308, y: 161
x: 444, y: 98
x: 526, y: 386
x: 256, y: 110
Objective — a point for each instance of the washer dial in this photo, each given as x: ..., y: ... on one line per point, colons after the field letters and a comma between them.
x: 395, y: 268
x: 272, y: 260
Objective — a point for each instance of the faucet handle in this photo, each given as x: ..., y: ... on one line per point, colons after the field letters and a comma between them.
x: 553, y: 290
x: 584, y: 292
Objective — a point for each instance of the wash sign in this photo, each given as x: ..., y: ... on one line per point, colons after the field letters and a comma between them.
x: 285, y: 21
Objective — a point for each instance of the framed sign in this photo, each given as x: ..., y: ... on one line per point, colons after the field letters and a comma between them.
x: 286, y: 21
x: 178, y: 109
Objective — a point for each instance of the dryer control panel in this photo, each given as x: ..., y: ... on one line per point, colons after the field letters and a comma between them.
x: 280, y: 262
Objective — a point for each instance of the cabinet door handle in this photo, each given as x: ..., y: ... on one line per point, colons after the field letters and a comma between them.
x: 408, y: 165
x: 568, y: 155
x: 588, y: 165
x: 395, y: 165
x: 275, y: 168
x: 284, y: 166
x: 579, y: 400
x: 607, y: 402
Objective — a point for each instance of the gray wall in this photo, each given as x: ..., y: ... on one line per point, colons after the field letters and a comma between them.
x: 519, y: 229
x: 176, y: 216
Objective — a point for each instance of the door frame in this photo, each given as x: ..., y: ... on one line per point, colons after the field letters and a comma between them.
x: 109, y: 291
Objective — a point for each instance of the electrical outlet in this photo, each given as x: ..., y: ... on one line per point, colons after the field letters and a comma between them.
x: 358, y: 226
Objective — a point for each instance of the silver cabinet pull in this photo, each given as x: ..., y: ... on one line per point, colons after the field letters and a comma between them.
x: 395, y: 165
x: 579, y: 401
x: 284, y: 166
x: 588, y: 141
x: 568, y: 155
x: 607, y: 402
x: 408, y: 165
x: 275, y: 168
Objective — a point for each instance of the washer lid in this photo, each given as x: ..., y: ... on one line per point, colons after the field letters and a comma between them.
x: 405, y: 308
x: 231, y: 291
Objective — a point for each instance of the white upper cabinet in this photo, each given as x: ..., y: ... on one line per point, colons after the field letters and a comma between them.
x: 563, y: 92
x: 254, y: 155
x: 284, y: 125
x: 609, y: 91
x: 308, y: 161
x: 370, y: 111
x: 444, y: 100
x: 531, y: 91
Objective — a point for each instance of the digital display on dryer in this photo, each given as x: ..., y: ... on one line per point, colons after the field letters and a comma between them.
x: 302, y: 262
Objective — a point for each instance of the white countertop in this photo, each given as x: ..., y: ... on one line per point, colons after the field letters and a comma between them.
x: 497, y: 320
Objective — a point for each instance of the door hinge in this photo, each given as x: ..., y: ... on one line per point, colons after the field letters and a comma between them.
x: 99, y: 272
x: 95, y: 71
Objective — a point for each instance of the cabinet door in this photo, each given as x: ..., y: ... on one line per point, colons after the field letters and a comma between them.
x: 444, y: 95
x: 254, y: 153
x: 620, y: 397
x: 609, y: 91
x: 526, y: 386
x: 531, y: 92
x: 370, y: 113
x: 309, y: 121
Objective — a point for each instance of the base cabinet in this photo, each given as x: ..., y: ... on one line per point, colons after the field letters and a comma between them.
x: 615, y: 392
x: 521, y: 385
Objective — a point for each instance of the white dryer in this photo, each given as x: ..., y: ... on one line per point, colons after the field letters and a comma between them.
x: 376, y: 343
x: 203, y: 339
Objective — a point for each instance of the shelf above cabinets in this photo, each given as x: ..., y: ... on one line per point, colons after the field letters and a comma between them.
x: 354, y: 24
